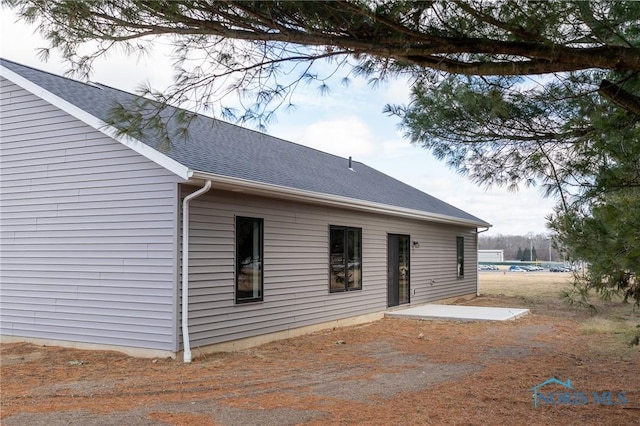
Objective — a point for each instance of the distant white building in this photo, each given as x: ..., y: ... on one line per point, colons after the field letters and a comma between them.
x: 491, y: 256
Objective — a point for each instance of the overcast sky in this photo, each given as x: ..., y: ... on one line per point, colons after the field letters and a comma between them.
x: 347, y: 122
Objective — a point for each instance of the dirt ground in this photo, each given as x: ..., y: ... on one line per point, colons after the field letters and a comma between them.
x: 390, y: 372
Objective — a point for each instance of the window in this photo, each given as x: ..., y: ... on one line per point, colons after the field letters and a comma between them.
x: 249, y: 259
x: 345, y: 259
x: 460, y: 256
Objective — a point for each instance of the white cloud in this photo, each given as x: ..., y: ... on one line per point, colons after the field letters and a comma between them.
x: 397, y: 91
x: 396, y: 148
x: 510, y: 213
x: 347, y: 136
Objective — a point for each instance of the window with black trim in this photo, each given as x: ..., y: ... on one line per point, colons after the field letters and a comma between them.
x: 460, y: 256
x: 249, y: 249
x: 345, y: 258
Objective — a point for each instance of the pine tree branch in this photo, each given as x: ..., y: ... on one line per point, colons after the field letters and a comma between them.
x: 620, y: 97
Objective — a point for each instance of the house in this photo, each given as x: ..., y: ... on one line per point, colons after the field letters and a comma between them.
x: 274, y: 238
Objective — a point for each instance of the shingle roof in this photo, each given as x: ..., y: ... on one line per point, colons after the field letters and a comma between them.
x: 221, y: 148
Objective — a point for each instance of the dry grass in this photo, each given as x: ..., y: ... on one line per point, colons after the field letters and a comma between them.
x: 542, y: 292
x: 390, y: 372
x: 598, y: 325
x: 521, y: 284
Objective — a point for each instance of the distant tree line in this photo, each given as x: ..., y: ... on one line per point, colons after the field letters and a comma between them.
x: 527, y: 254
x: 522, y: 247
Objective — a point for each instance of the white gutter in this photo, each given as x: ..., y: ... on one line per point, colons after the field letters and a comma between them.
x: 235, y: 184
x: 185, y: 268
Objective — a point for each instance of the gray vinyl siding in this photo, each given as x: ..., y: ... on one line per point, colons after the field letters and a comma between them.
x: 88, y: 238
x: 296, y: 280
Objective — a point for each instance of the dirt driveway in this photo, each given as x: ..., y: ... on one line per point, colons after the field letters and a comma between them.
x: 391, y: 372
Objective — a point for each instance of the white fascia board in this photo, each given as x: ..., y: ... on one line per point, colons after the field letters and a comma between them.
x: 283, y: 192
x: 141, y: 148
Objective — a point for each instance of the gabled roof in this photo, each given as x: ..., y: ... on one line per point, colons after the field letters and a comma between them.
x: 237, y: 156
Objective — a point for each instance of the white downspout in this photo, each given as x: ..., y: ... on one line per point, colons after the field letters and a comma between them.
x: 185, y: 268
x: 478, y: 261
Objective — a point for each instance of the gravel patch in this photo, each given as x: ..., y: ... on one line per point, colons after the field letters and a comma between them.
x: 388, y: 385
x: 223, y: 415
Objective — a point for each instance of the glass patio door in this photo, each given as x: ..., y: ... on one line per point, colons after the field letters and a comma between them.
x: 398, y: 285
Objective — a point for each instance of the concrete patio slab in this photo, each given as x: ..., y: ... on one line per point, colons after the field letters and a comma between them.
x: 457, y: 312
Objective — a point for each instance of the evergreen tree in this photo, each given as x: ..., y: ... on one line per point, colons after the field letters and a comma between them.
x: 606, y: 238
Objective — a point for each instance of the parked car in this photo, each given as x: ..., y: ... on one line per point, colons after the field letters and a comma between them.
x: 559, y: 269
x: 487, y: 268
x: 514, y: 268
